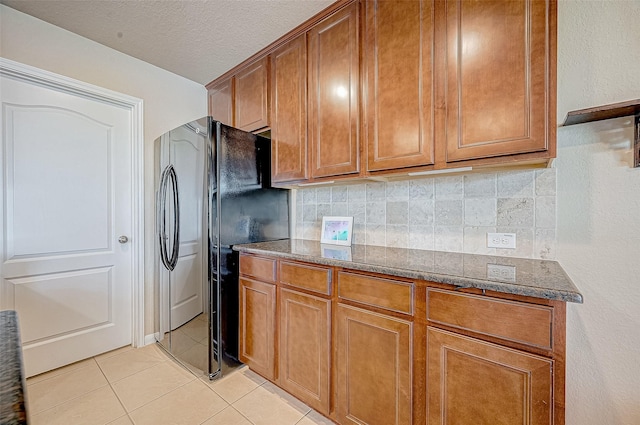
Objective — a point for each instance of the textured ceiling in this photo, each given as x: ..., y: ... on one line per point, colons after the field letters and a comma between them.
x: 198, y: 39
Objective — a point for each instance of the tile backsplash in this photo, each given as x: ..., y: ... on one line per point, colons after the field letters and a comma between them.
x: 452, y: 213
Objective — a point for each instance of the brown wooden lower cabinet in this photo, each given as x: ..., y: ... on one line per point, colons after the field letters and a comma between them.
x: 257, y: 326
x: 472, y: 382
x: 380, y: 350
x: 374, y: 368
x: 305, y: 343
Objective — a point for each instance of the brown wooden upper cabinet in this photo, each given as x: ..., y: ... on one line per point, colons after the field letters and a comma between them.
x: 333, y: 79
x: 221, y: 101
x: 289, y: 111
x: 252, y: 96
x: 398, y: 65
x: 500, y: 78
x: 403, y: 86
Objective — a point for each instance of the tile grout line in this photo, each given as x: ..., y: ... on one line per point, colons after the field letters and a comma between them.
x: 31, y: 414
x: 59, y: 374
x: 70, y: 399
x: 126, y: 413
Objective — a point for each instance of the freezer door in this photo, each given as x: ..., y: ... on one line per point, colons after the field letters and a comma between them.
x: 182, y: 324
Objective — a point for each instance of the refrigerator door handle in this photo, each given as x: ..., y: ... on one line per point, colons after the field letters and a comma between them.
x: 160, y: 207
x: 168, y: 173
x: 176, y: 218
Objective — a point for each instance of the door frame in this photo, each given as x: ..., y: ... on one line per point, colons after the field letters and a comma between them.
x: 133, y: 105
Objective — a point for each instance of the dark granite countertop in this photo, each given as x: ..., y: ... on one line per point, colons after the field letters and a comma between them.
x: 12, y: 382
x: 520, y: 276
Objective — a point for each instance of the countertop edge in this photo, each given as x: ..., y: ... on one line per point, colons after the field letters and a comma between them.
x: 459, y: 281
x: 12, y: 378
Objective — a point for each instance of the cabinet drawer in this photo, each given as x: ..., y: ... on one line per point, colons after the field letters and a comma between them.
x: 377, y: 292
x: 312, y: 278
x: 258, y: 267
x: 510, y: 320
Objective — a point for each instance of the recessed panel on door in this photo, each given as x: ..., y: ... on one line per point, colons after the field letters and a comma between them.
x: 60, y: 192
x: 51, y: 306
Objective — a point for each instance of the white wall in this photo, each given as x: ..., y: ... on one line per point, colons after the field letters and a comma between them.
x: 169, y: 100
x: 599, y: 210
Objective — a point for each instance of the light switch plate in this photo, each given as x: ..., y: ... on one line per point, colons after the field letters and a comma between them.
x: 501, y: 240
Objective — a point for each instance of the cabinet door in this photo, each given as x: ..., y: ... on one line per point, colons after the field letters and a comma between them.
x: 304, y: 355
x: 374, y: 368
x: 333, y: 94
x: 474, y: 382
x: 257, y: 326
x: 500, y: 78
x: 398, y: 58
x: 221, y: 102
x: 289, y: 111
x: 252, y: 96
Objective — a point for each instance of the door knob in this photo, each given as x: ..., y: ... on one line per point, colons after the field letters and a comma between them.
x: 123, y: 239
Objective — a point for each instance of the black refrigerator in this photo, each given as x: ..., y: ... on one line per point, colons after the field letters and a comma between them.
x: 212, y: 191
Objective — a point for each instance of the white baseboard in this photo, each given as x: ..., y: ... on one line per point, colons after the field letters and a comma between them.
x: 149, y: 339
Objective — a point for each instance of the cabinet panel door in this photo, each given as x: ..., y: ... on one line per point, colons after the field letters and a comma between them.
x: 252, y: 96
x: 304, y: 355
x: 333, y: 94
x: 289, y: 111
x: 474, y: 382
x: 257, y: 326
x: 399, y: 47
x: 374, y: 368
x: 500, y: 91
x: 221, y: 102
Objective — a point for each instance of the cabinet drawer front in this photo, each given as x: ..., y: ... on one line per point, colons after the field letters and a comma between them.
x: 317, y: 279
x: 260, y: 268
x: 377, y: 292
x: 510, y: 320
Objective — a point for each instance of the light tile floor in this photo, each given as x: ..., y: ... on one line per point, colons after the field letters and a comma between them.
x: 145, y: 386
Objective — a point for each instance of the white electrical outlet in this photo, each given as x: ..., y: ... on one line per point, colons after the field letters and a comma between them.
x: 501, y: 273
x: 501, y: 240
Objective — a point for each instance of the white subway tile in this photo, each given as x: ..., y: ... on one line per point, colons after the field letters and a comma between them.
x: 421, y: 211
x: 397, y: 236
x: 376, y: 212
x: 450, y: 187
x: 546, y: 182
x: 376, y: 234
x: 516, y: 184
x: 397, y: 212
x: 475, y: 240
x: 480, y: 212
x: 480, y: 185
x: 515, y: 212
x: 449, y: 212
x: 546, y: 211
x: 376, y: 191
x: 398, y: 190
x: 449, y: 238
x: 421, y: 189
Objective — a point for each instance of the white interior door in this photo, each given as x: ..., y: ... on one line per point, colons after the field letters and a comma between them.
x: 187, y: 154
x: 66, y: 199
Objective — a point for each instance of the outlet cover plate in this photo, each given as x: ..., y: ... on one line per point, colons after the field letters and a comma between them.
x: 501, y: 240
x: 501, y: 273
